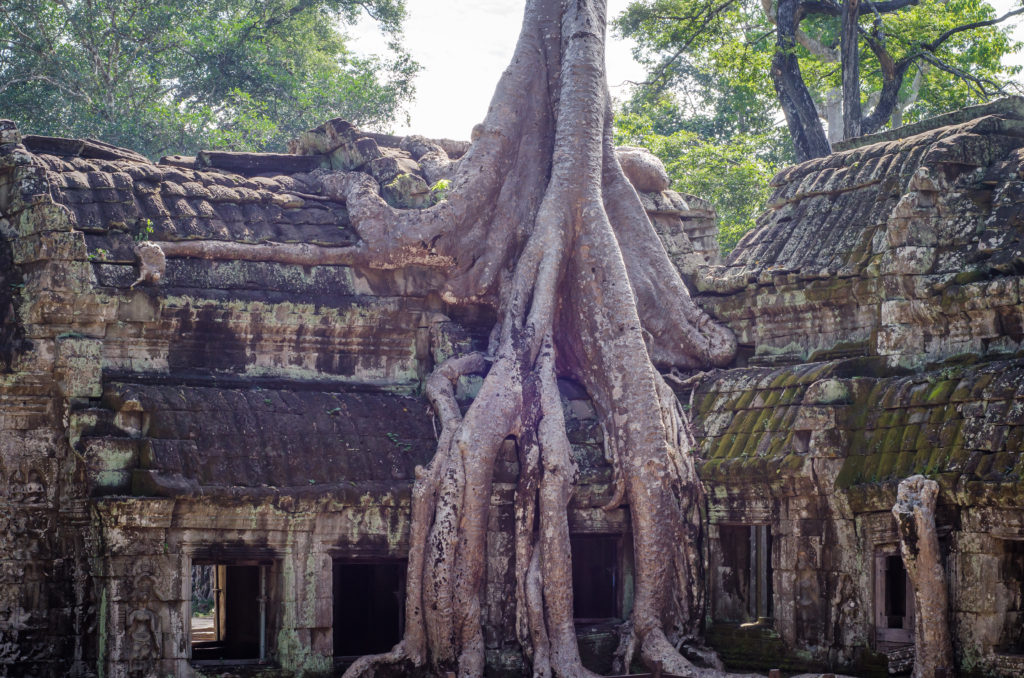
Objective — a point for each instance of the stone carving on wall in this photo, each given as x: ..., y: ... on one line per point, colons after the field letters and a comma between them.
x: 143, y: 593
x: 144, y: 583
x: 143, y: 632
x: 26, y: 487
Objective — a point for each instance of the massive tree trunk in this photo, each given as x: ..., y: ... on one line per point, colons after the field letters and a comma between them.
x: 809, y: 140
x: 915, y: 519
x: 541, y: 223
x: 850, y: 59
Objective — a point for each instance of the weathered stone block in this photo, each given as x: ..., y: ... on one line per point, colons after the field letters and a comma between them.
x: 78, y: 366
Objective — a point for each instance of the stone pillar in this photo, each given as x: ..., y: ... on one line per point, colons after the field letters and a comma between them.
x: 915, y: 520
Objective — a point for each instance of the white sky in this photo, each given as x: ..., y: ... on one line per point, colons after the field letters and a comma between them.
x: 464, y: 45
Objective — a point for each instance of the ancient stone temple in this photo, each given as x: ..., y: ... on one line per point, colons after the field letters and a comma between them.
x: 206, y: 459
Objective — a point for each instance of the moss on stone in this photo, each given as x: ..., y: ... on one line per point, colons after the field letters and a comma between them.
x: 722, y: 445
x: 893, y: 440
x: 885, y: 467
x: 908, y: 440
x: 743, y: 402
x: 940, y: 392
x: 707, y: 403
x: 739, y: 447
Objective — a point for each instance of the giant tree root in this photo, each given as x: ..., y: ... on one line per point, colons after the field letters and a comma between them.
x: 542, y: 225
x: 915, y: 518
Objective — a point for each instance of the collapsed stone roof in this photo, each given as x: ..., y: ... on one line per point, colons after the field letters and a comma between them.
x: 893, y: 271
x: 249, y: 374
x: 905, y: 250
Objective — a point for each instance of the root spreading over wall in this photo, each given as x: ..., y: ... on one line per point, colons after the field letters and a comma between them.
x: 541, y: 223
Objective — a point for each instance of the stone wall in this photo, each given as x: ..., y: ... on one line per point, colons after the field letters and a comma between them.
x: 253, y: 412
x: 878, y: 309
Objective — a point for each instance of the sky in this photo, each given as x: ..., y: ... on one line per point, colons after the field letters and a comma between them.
x: 464, y: 45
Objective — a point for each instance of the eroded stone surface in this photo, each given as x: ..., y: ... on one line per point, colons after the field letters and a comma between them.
x: 877, y: 307
x: 246, y: 411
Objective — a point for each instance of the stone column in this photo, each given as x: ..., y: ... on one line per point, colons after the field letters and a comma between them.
x: 915, y: 520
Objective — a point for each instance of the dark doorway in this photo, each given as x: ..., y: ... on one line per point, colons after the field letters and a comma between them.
x: 1011, y: 573
x: 228, y: 608
x: 894, y: 602
x: 369, y: 614
x: 744, y: 576
x: 596, y: 577
x: 895, y: 592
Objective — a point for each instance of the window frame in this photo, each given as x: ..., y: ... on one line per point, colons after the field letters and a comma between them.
x: 884, y: 635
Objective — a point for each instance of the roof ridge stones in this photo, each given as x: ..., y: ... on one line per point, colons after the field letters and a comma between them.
x: 1010, y: 107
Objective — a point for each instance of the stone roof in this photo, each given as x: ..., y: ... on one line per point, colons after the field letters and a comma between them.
x: 116, y: 197
x: 906, y: 248
x: 192, y: 439
x: 962, y: 425
x: 824, y: 214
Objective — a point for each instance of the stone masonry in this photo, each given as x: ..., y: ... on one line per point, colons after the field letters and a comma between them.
x: 263, y: 419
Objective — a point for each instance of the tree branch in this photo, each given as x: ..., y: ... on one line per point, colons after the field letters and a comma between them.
x: 937, y: 42
x: 832, y: 9
x: 979, y: 83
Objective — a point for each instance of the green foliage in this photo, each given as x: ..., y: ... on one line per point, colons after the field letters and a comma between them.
x: 713, y: 56
x: 731, y: 174
x: 439, y: 191
x: 709, y: 107
x: 170, y: 76
x: 145, y: 232
x: 710, y: 59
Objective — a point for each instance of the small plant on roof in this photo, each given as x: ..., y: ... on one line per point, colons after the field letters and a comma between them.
x: 439, y: 191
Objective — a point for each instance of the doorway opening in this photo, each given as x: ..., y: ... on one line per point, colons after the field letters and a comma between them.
x: 596, y: 577
x: 228, y: 620
x: 744, y: 577
x: 369, y: 606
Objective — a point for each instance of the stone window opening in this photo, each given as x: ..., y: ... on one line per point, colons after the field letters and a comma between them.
x: 599, y: 574
x: 894, y: 601
x: 228, y: 612
x: 744, y: 592
x: 368, y: 606
x: 1011, y: 575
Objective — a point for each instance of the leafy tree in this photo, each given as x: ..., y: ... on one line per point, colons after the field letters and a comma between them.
x: 731, y: 172
x: 167, y: 76
x: 898, y: 60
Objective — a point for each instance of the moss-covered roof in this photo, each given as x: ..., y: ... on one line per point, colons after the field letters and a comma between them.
x: 959, y: 425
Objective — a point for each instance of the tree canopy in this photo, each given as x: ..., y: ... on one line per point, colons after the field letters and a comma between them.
x: 721, y: 77
x: 167, y: 76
